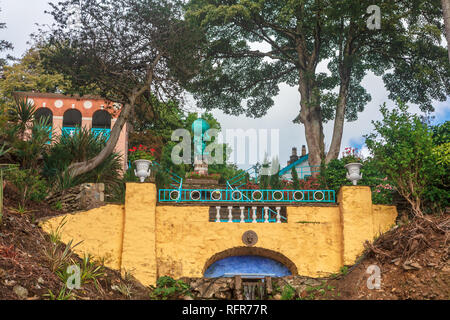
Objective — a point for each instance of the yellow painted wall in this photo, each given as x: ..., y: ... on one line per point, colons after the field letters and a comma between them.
x: 186, y: 240
x: 361, y: 220
x: 100, y: 229
x: 152, y: 240
x: 139, y: 239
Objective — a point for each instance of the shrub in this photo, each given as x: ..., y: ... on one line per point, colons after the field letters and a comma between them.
x: 141, y: 153
x: 168, y: 288
x: 83, y: 145
x: 402, y: 146
x: 288, y: 293
x: 295, y: 180
x: 29, y: 184
x: 333, y: 176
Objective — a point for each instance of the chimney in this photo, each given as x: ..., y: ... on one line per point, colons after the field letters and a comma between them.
x: 303, y: 150
x: 294, y: 156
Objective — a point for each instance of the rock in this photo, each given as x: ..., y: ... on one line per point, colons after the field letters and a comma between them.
x: 21, y: 292
x: 40, y: 280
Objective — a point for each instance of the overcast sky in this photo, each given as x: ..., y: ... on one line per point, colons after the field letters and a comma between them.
x: 21, y: 17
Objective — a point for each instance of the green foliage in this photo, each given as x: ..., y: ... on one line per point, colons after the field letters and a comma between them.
x: 144, y: 44
x: 4, y: 45
x: 288, y: 293
x: 22, y: 113
x: 333, y: 177
x: 62, y: 295
x: 28, y: 74
x: 295, y: 181
x: 81, y: 146
x: 58, y: 255
x: 55, y: 235
x: 89, y: 271
x: 442, y: 154
x: 141, y: 153
x: 225, y: 170
x: 441, y: 142
x: 294, y: 37
x: 29, y: 184
x: 168, y: 288
x: 25, y: 148
x: 343, y: 270
x: 402, y: 146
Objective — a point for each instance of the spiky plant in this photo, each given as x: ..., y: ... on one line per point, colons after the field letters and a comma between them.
x: 81, y: 146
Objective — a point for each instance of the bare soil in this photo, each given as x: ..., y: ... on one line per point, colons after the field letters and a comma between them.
x: 24, y: 264
x: 413, y: 261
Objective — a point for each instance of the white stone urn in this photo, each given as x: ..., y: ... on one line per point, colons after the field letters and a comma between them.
x: 142, y: 170
x: 354, y: 172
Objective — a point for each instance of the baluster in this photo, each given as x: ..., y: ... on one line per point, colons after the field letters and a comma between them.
x: 230, y: 214
x: 278, y: 214
x: 266, y: 214
x: 242, y: 214
x: 254, y: 214
x: 218, y: 214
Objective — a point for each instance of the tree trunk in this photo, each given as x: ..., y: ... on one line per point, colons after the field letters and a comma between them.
x: 339, y: 119
x: 79, y: 168
x: 446, y: 11
x: 311, y: 117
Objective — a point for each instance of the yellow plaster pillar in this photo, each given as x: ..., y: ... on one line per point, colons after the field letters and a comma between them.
x: 139, y: 238
x: 355, y: 205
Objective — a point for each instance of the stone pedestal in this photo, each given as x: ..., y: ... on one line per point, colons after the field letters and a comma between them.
x: 201, y: 167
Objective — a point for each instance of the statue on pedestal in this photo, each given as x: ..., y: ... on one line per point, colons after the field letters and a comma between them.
x: 199, y: 127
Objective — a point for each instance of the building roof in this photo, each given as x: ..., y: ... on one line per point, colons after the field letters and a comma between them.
x: 294, y: 164
x: 55, y: 95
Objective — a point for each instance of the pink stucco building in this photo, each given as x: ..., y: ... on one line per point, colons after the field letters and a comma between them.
x: 67, y: 113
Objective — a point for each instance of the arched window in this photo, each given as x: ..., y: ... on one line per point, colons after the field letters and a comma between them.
x: 101, y: 119
x: 72, y: 118
x: 44, y: 113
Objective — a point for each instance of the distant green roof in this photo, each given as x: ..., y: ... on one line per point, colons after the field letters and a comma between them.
x: 289, y: 167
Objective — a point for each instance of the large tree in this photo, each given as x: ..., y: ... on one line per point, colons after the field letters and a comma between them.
x: 28, y: 74
x: 4, y: 45
x: 126, y: 48
x: 256, y: 45
x: 446, y: 11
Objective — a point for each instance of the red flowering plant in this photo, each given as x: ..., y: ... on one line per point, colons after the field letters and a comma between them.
x: 350, y: 155
x: 141, y: 153
x: 251, y: 186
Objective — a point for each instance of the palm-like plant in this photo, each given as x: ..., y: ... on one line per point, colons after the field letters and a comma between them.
x: 29, y: 152
x: 4, y: 151
x: 22, y: 113
x: 81, y: 146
